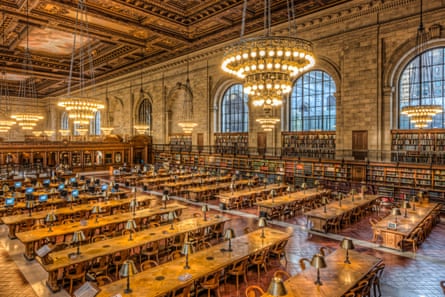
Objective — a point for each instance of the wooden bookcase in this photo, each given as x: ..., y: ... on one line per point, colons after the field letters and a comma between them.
x: 181, y: 142
x: 232, y: 143
x: 309, y: 144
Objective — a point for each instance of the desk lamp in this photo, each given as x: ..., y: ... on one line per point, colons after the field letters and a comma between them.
x: 317, y: 184
x: 171, y: 218
x: 288, y: 190
x: 265, y: 182
x: 340, y: 197
x: 130, y: 226
x: 165, y: 198
x: 396, y: 212
x: 276, y: 287
x: 353, y: 192
x: 414, y: 202
x: 186, y: 251
x: 50, y: 218
x: 324, y: 201
x: 205, y: 209
x: 128, y: 269
x: 262, y: 223
x: 70, y: 199
x: 30, y: 206
x: 133, y: 205
x: 303, y: 187
x: 347, y: 244
x: 228, y: 236
x: 78, y: 237
x: 318, y: 262
x: 96, y: 210
x: 406, y: 205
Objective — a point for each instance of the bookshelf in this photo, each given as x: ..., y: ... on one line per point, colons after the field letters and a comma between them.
x: 418, y: 146
x: 232, y: 143
x: 181, y: 142
x: 309, y: 144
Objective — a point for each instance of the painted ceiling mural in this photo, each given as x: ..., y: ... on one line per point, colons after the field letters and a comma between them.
x: 124, y: 33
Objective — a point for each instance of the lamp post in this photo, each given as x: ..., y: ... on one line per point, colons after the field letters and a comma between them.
x: 318, y: 262
x: 185, y: 251
x: 78, y: 237
x: 347, y: 244
x: 128, y: 269
x: 262, y: 223
x: 228, y: 236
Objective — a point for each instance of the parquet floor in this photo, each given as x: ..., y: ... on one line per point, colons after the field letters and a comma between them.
x: 406, y: 274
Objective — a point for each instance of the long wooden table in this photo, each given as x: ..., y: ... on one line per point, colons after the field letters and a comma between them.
x: 337, y: 278
x: 15, y: 220
x: 89, y: 252
x: 405, y: 226
x: 31, y: 239
x: 319, y: 218
x: 165, y: 278
x: 198, y: 193
x: 228, y: 198
x: 269, y: 205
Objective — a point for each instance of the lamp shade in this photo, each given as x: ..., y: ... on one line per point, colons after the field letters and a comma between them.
x: 29, y: 204
x: 171, y: 215
x: 229, y: 234
x: 78, y: 236
x: 134, y: 204
x: 185, y: 248
x: 318, y: 261
x: 131, y: 225
x: 396, y: 212
x: 262, y: 222
x: 96, y: 209
x: 205, y: 208
x: 164, y: 197
x: 51, y: 217
x: 324, y: 200
x: 406, y: 204
x: 128, y: 269
x: 276, y: 287
x: 347, y: 244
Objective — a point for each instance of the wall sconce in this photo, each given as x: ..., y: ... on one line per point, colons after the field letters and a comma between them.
x: 262, y: 223
x: 318, y: 262
x: 128, y: 269
x: 347, y: 244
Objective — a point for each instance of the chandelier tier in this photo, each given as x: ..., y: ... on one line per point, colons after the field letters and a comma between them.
x: 267, y: 64
x: 141, y: 128
x: 421, y: 115
x: 27, y: 121
x: 81, y: 109
x: 268, y: 123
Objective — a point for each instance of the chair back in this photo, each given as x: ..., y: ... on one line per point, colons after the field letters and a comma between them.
x: 254, y: 291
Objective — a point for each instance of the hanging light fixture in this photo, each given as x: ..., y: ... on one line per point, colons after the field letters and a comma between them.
x: 141, y: 127
x: 5, y: 101
x: 267, y: 64
x: 268, y: 122
x: 421, y: 115
x: 81, y: 108
x: 187, y: 124
x: 106, y: 130
x: 28, y: 118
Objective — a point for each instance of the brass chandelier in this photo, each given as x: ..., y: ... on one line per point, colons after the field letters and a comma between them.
x: 421, y: 115
x: 5, y: 102
x: 267, y: 64
x: 81, y: 109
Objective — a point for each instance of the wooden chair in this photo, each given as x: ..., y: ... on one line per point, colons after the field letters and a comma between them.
x: 259, y: 259
x: 414, y: 239
x: 119, y: 259
x: 103, y: 280
x: 302, y: 264
x: 211, y: 283
x: 148, y: 264
x: 361, y: 289
x: 278, y: 250
x: 75, y: 273
x: 174, y: 255
x: 99, y: 266
x: 237, y: 269
x: 183, y: 292
x: 151, y: 250
x: 324, y: 251
x: 99, y: 237
x: 283, y: 274
x: 254, y: 291
x: 247, y: 230
x: 217, y: 231
x: 376, y: 281
x: 334, y: 224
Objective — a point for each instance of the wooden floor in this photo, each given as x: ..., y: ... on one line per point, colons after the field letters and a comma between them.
x: 406, y: 274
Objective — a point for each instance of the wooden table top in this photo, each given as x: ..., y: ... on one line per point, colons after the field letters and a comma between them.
x: 337, y: 278
x: 167, y: 277
x: 407, y: 225
x: 333, y: 209
x: 195, y: 181
x: 251, y: 191
x: 217, y: 186
x: 16, y: 219
x: 38, y: 234
x: 94, y: 250
x: 292, y: 197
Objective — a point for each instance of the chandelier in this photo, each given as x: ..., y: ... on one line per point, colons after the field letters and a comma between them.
x: 28, y: 118
x: 268, y: 122
x: 267, y: 64
x: 187, y: 124
x: 421, y: 115
x: 5, y: 102
x: 81, y: 109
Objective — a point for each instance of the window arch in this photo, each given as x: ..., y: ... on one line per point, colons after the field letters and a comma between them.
x: 64, y: 123
x: 432, y: 86
x: 144, y: 113
x: 95, y: 124
x: 234, y: 110
x: 312, y: 102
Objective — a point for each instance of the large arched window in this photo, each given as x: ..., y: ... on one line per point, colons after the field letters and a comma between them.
x: 312, y: 103
x: 64, y: 124
x: 431, y: 85
x: 95, y: 124
x: 234, y: 110
x: 144, y: 113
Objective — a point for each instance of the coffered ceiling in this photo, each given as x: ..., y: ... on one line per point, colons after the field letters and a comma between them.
x: 123, y: 33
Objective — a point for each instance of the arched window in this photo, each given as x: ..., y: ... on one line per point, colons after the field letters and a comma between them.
x: 95, y: 124
x: 234, y: 110
x: 432, y: 88
x: 144, y: 113
x: 64, y: 122
x: 312, y: 103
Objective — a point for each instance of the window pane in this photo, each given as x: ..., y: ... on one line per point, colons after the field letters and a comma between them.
x: 234, y: 110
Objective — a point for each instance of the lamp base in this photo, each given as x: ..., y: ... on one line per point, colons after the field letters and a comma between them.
x: 128, y: 290
x: 318, y: 282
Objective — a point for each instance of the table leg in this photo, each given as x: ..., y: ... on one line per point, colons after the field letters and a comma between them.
x: 11, y: 233
x: 29, y: 251
x: 52, y: 281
